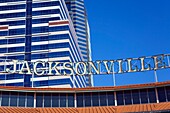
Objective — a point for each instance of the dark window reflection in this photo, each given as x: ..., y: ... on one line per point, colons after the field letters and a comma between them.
x: 79, y: 99
x: 87, y: 98
x: 143, y: 96
x: 135, y: 97
x: 47, y: 100
x: 13, y: 98
x: 62, y: 100
x: 22, y: 99
x: 55, y: 100
x: 39, y: 100
x: 103, y: 99
x: 120, y: 100
x: 152, y: 95
x: 95, y: 99
x: 127, y: 97
x: 5, y: 99
x: 30, y: 99
x: 161, y: 94
x: 168, y: 92
x: 110, y: 96
x: 70, y: 100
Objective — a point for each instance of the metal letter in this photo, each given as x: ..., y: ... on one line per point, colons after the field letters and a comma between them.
x: 159, y: 62
x: 109, y: 69
x: 25, y: 63
x: 14, y: 67
x: 35, y: 68
x: 53, y: 68
x: 129, y: 60
x: 68, y: 68
x: 77, y: 68
x: 96, y: 69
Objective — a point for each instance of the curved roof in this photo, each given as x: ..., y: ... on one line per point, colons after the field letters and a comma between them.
x: 119, y: 109
x: 87, y: 89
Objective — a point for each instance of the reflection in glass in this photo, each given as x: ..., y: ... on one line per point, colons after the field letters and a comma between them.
x: 103, y: 99
x: 120, y: 100
x: 13, y: 98
x: 87, y: 98
x: 110, y: 96
x: 55, y: 100
x: 47, y: 99
x: 95, y: 99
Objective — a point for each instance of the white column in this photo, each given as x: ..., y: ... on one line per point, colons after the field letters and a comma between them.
x: 115, y: 98
x: 34, y: 100
x: 157, y: 98
x: 75, y: 100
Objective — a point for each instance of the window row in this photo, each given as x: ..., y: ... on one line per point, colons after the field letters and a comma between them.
x: 86, y: 99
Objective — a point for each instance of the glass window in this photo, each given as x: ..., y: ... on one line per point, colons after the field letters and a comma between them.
x: 55, y: 100
x: 47, y: 99
x: 152, y: 95
x: 30, y: 99
x: 127, y: 97
x: 21, y: 99
x: 79, y: 99
x: 5, y: 99
x: 135, y: 97
x: 143, y: 96
x: 95, y: 99
x: 120, y: 100
x: 111, y: 100
x: 87, y: 98
x: 13, y: 98
x: 168, y: 92
x: 39, y: 100
x: 70, y: 100
x: 103, y: 99
x: 62, y: 100
x: 161, y: 94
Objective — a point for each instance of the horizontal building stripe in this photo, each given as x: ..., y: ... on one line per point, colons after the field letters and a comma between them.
x: 58, y: 23
x: 13, y: 11
x: 3, y: 28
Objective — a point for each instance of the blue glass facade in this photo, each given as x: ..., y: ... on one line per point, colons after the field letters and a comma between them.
x: 78, y: 15
x: 38, y: 30
x: 87, y: 98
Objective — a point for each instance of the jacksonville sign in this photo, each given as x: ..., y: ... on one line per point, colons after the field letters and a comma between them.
x: 118, y: 66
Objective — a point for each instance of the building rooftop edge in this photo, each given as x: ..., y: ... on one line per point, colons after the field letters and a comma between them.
x: 115, y: 88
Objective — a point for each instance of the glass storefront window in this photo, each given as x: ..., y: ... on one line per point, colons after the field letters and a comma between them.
x: 161, y: 94
x: 13, y: 98
x: 62, y: 100
x: 39, y: 100
x: 80, y: 100
x: 95, y: 99
x: 120, y: 99
x: 70, y: 100
x: 127, y: 97
x: 110, y: 96
x: 55, y: 100
x: 103, y: 99
x: 143, y: 96
x: 22, y: 99
x: 87, y: 98
x: 5, y: 99
x: 152, y: 95
x: 47, y: 100
x: 30, y: 99
x: 168, y: 92
x: 135, y: 97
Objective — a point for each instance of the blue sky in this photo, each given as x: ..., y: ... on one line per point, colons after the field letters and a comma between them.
x: 129, y: 28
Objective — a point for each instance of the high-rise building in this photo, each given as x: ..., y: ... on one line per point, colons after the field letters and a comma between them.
x: 43, y: 30
x: 78, y: 15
